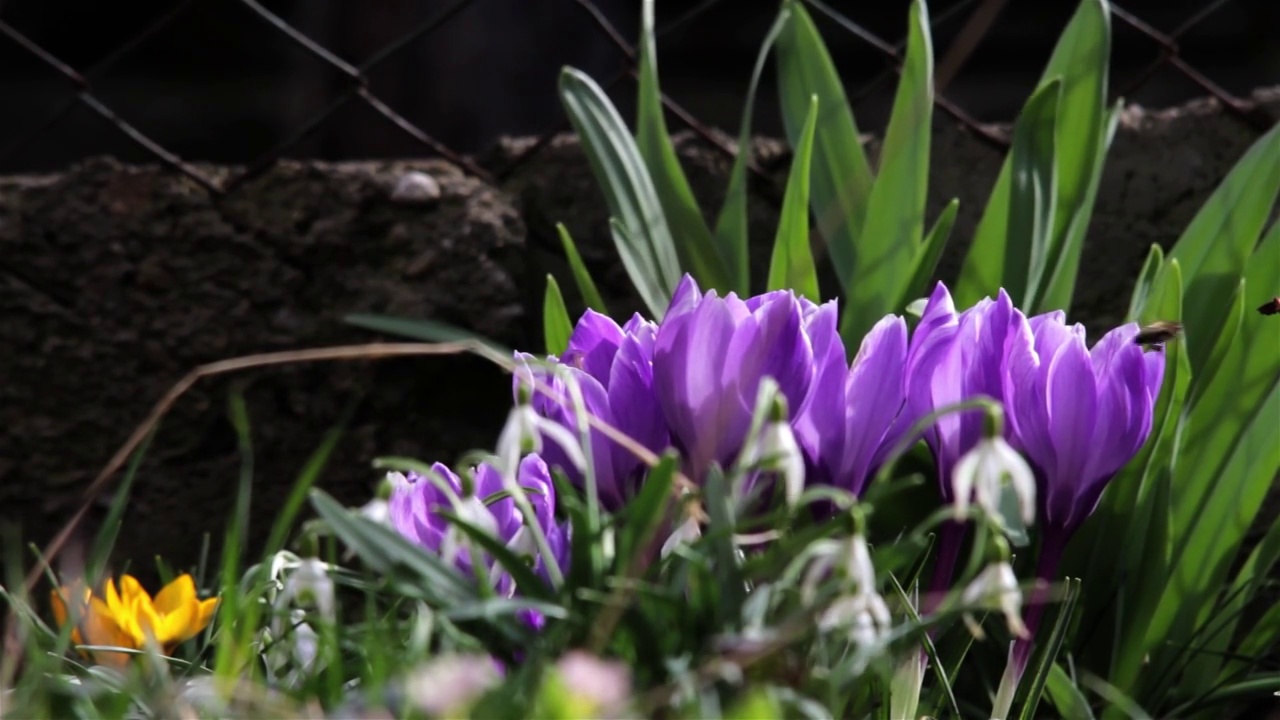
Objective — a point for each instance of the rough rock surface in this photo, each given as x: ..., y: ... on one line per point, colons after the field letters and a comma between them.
x: 116, y: 280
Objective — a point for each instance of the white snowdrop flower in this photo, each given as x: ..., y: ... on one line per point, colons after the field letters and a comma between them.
x: 996, y: 588
x: 981, y: 473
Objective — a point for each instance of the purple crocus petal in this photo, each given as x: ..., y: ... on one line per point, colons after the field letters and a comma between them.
x: 690, y: 388
x: 593, y: 344
x: 686, y: 297
x: 1025, y: 411
x: 874, y: 395
x: 1072, y: 398
x: 772, y: 344
x: 640, y: 417
x: 487, y: 482
x: 819, y: 423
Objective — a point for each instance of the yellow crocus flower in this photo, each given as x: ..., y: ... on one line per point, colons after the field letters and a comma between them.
x: 127, y: 617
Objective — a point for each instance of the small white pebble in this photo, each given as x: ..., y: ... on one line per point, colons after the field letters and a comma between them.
x: 416, y: 188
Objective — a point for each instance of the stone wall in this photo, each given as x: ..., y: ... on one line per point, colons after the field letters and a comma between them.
x: 116, y: 280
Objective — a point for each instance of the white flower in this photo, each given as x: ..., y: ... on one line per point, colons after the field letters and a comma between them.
x: 863, y: 613
x: 309, y: 584
x: 996, y: 588
x: 980, y: 474
x: 779, y: 452
x: 377, y: 510
x: 686, y: 532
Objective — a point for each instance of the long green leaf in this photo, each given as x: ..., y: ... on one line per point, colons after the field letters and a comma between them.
x: 792, y: 265
x: 891, y: 233
x: 1142, y: 286
x: 842, y: 177
x: 647, y: 249
x: 1216, y: 245
x: 1230, y: 461
x: 1084, y: 132
x: 1064, y: 260
x: 731, y: 225
x: 1066, y: 697
x: 586, y: 286
x: 696, y: 249
x: 1009, y: 245
x: 930, y: 252
x: 1048, y: 655
x: 556, y: 326
x: 1079, y: 62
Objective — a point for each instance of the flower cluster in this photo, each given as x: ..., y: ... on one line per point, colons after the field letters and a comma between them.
x: 692, y: 382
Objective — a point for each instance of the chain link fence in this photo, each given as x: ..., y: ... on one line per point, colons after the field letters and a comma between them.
x: 1146, y: 53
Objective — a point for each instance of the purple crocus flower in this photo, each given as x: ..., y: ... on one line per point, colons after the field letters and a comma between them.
x: 711, y: 355
x: 1078, y: 415
x: 416, y: 504
x: 955, y: 357
x: 613, y: 367
x: 847, y: 421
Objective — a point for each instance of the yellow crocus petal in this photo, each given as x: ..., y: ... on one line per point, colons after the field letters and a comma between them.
x: 203, y: 615
x: 173, y: 625
x: 177, y: 594
x: 112, y: 597
x: 59, y: 599
x: 101, y: 628
x: 131, y: 590
x: 145, y: 619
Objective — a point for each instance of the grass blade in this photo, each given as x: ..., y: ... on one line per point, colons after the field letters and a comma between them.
x: 586, y: 286
x: 647, y: 249
x: 694, y: 244
x: 1048, y: 655
x: 1066, y: 696
x: 842, y: 180
x: 556, y: 326
x: 792, y: 265
x: 891, y: 233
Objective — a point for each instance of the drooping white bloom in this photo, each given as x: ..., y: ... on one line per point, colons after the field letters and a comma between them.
x: 980, y: 474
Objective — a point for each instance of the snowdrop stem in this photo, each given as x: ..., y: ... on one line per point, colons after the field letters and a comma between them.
x: 1020, y: 650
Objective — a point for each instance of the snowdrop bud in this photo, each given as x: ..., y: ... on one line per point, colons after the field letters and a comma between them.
x: 980, y: 475
x: 996, y: 588
x: 858, y: 564
x: 779, y: 453
x: 519, y: 436
x: 686, y: 532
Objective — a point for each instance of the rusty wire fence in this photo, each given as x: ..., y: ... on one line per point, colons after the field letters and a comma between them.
x: 969, y: 20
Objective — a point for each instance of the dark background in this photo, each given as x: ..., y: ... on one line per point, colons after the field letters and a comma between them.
x: 219, y: 82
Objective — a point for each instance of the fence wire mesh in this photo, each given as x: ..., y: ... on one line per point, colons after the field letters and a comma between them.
x: 969, y: 22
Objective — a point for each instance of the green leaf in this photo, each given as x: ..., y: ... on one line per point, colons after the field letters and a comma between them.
x: 1009, y: 245
x: 1064, y: 260
x: 1231, y: 458
x: 889, y: 241
x: 731, y: 225
x: 586, y: 286
x: 1084, y: 132
x: 1066, y: 697
x: 1046, y: 656
x: 926, y: 262
x: 556, y: 326
x: 693, y: 238
x: 1215, y: 247
x: 387, y: 553
x: 424, y: 330
x: 645, y: 514
x: 1142, y: 286
x: 647, y: 249
x: 842, y: 180
x: 521, y: 572
x: 792, y: 265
